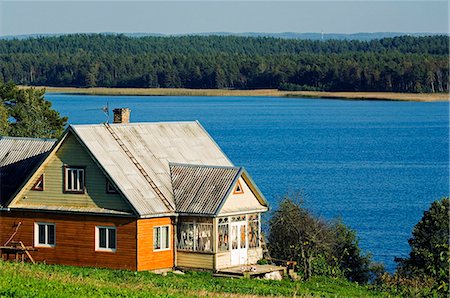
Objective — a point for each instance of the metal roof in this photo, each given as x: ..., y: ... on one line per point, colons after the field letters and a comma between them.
x: 201, y: 189
x: 18, y: 158
x: 130, y: 152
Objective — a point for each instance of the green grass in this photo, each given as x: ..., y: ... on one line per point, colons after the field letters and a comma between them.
x: 26, y: 280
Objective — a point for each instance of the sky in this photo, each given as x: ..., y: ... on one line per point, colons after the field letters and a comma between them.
x: 179, y: 17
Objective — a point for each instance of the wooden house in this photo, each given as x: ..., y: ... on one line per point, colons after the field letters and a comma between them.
x: 138, y: 196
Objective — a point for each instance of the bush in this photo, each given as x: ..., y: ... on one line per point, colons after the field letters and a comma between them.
x: 429, y: 256
x: 320, y: 248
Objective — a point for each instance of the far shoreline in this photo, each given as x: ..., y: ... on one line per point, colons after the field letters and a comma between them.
x: 391, y: 96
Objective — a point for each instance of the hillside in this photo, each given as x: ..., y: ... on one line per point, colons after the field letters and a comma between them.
x: 398, y: 64
x: 26, y: 280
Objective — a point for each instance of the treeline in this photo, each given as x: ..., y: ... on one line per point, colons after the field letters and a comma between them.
x: 400, y: 64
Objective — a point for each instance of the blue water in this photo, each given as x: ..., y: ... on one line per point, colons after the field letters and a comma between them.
x: 376, y: 164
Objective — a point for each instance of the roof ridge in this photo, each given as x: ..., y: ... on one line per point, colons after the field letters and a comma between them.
x: 138, y: 123
x: 28, y: 139
x: 188, y: 165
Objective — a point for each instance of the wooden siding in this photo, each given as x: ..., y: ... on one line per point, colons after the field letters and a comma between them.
x: 241, y: 202
x: 148, y: 259
x: 75, y: 238
x: 195, y: 260
x: 72, y: 153
x: 223, y: 260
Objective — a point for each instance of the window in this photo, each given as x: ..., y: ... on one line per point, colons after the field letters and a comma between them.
x: 223, y: 234
x: 74, y: 180
x: 39, y: 185
x: 105, y: 239
x: 161, y: 238
x: 44, y: 234
x: 110, y: 188
x: 253, y: 230
x: 238, y: 189
x: 186, y: 236
x: 195, y: 236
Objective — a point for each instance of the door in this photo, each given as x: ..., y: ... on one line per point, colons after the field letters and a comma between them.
x: 238, y: 243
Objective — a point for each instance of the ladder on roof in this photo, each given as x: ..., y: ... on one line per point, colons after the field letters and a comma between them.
x: 139, y: 167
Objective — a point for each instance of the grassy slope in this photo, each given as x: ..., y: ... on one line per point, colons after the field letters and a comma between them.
x: 262, y: 92
x: 19, y: 280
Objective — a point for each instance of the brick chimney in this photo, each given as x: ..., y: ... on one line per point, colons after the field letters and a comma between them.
x: 122, y: 115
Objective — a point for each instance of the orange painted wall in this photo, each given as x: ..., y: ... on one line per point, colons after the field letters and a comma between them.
x: 75, y: 238
x: 148, y: 259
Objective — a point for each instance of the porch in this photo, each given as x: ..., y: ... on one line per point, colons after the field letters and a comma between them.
x: 250, y: 271
x: 215, y: 243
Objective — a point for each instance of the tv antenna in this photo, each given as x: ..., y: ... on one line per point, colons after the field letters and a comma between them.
x: 105, y: 110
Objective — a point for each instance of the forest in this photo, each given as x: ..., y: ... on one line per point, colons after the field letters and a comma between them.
x: 399, y: 64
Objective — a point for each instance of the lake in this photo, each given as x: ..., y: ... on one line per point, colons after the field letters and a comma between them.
x: 376, y: 164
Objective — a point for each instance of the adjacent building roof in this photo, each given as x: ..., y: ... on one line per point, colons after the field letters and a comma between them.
x: 18, y: 158
x: 201, y: 189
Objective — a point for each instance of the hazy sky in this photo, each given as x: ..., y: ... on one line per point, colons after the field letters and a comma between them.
x: 24, y: 17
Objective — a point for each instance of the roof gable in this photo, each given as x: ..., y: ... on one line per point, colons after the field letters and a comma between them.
x: 18, y: 158
x: 244, y: 200
x: 94, y: 199
x: 205, y: 190
x: 200, y: 189
x: 137, y: 155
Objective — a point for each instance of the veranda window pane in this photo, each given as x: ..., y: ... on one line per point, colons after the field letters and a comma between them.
x: 234, y: 237
x: 223, y: 237
x: 243, y: 237
x: 186, y: 236
x: 204, y: 232
x: 253, y: 231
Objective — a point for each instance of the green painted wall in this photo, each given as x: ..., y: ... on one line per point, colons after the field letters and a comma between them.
x: 72, y: 153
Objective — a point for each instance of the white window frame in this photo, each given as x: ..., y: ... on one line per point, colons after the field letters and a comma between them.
x: 97, y: 239
x: 161, y: 237
x: 36, y: 234
x: 79, y: 188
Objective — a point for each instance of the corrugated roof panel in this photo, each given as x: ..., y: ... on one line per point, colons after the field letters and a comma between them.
x: 121, y: 169
x: 18, y: 157
x: 201, y: 189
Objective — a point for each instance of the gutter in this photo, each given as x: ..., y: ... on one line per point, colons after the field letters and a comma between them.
x: 5, y: 209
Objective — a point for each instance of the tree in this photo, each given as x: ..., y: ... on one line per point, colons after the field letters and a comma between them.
x: 4, y: 124
x: 355, y: 265
x: 297, y: 235
x: 429, y: 244
x: 28, y: 113
x: 319, y: 247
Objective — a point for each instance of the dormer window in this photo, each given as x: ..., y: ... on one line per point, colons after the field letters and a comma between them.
x: 238, y: 188
x: 39, y: 185
x: 74, y: 180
